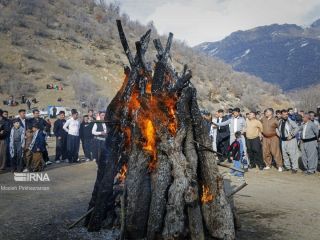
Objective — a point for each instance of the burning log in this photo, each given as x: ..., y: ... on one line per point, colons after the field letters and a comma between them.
x: 155, y: 170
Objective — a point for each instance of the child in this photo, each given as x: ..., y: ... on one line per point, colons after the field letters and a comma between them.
x: 235, y: 151
x: 37, y: 147
x: 16, y: 146
x: 27, y: 152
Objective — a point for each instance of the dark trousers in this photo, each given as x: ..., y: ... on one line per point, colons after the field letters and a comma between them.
x: 73, y: 144
x: 87, y: 148
x: 61, y: 148
x: 17, y: 162
x: 254, y: 149
x: 8, y: 163
x: 223, y: 143
x: 99, y: 151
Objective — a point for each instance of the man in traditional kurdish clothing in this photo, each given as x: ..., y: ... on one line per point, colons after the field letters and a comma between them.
x: 27, y: 153
x: 37, y: 147
x: 4, y: 131
x: 287, y: 132
x: 309, y: 146
x: 16, y: 146
x: 270, y: 142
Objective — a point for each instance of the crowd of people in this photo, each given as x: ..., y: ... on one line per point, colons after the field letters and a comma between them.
x: 263, y: 140
x: 23, y: 142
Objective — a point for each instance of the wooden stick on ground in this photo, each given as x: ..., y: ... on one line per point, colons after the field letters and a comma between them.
x: 237, y: 189
x: 220, y: 164
x: 82, y: 217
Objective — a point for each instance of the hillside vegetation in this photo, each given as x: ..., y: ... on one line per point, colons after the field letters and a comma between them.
x: 75, y: 43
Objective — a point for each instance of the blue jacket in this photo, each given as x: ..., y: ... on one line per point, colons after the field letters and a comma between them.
x: 40, y: 143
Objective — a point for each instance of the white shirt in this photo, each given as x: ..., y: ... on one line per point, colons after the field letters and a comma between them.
x: 304, y: 131
x: 72, y: 127
x: 23, y: 122
x: 235, y: 125
x: 94, y: 129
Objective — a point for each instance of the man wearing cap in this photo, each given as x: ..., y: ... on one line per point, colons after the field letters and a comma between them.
x: 99, y: 131
x: 72, y: 127
x: 61, y: 138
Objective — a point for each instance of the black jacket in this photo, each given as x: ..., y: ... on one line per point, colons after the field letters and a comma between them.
x: 224, y: 131
x: 4, y: 128
x: 86, y: 131
x: 58, y: 128
x: 42, y: 123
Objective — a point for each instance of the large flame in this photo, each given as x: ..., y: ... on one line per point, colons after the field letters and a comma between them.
x: 151, y: 113
x: 206, y: 195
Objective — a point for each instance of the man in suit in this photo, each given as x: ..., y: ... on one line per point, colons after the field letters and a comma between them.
x: 287, y: 132
x: 61, y: 138
x: 309, y: 145
x: 223, y: 134
x: 22, y: 118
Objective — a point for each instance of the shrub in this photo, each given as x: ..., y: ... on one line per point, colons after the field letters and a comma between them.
x: 64, y: 65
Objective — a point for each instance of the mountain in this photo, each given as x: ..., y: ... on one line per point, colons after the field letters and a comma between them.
x: 287, y: 55
x: 76, y: 43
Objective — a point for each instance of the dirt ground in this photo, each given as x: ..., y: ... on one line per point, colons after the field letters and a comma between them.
x: 273, y: 206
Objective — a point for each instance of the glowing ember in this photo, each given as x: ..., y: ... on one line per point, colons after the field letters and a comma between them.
x: 206, y: 195
x: 123, y: 173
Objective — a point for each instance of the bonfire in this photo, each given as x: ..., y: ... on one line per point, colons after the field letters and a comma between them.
x: 158, y: 182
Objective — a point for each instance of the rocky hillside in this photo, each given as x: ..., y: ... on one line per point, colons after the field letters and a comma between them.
x: 75, y: 43
x: 287, y: 55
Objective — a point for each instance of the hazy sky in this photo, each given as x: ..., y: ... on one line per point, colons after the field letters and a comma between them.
x: 197, y: 21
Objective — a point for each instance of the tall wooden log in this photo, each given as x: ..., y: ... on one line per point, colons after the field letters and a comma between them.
x: 160, y: 182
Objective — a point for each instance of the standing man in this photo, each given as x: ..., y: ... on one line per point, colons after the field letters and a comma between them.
x: 4, y: 131
x: 54, y: 112
x: 17, y: 139
x: 223, y: 134
x: 86, y: 137
x: 270, y: 142
x: 254, y: 131
x: 309, y: 146
x: 61, y: 138
x: 91, y: 115
x: 99, y: 132
x: 42, y: 124
x: 287, y: 132
x: 22, y: 118
x: 38, y: 120
x: 236, y: 123
x: 72, y: 127
x: 213, y: 132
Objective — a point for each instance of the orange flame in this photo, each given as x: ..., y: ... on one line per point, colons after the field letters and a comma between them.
x: 152, y: 113
x: 206, y: 195
x: 123, y: 173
